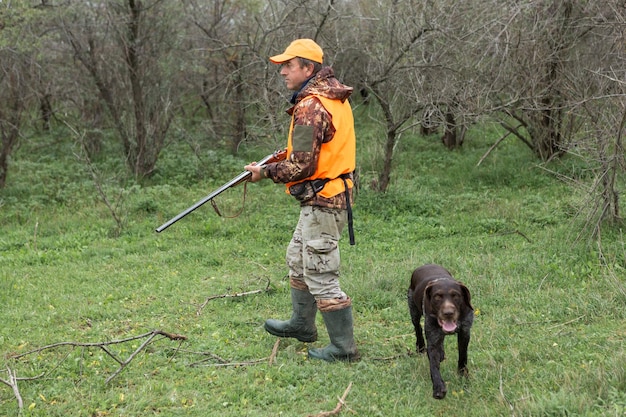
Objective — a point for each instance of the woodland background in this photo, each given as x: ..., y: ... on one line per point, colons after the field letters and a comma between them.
x: 147, y: 73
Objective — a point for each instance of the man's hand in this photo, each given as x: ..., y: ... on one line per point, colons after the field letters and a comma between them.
x: 256, y: 170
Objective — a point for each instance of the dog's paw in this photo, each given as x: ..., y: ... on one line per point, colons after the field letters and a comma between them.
x: 439, y: 393
x: 464, y: 371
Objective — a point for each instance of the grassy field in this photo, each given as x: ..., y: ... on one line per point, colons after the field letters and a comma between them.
x: 548, y: 336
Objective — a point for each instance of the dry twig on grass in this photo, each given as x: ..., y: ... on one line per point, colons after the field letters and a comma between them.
x: 12, y: 383
x: 340, y: 404
x: 235, y: 364
x: 511, y: 407
x: 408, y: 353
x: 274, y: 352
x: 494, y: 146
x: 210, y: 354
x: 233, y: 295
x: 513, y: 232
x: 221, y: 361
x: 104, y: 346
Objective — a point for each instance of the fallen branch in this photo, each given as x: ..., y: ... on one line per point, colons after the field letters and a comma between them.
x: 511, y: 407
x: 408, y: 353
x: 494, y: 146
x: 274, y: 352
x: 104, y: 346
x: 513, y: 232
x: 340, y: 404
x: 567, y: 322
x: 221, y: 361
x: 12, y: 382
x: 212, y: 355
x: 224, y: 362
x: 233, y: 295
x: 235, y: 364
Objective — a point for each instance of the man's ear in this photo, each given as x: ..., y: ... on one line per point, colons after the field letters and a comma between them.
x: 309, y: 69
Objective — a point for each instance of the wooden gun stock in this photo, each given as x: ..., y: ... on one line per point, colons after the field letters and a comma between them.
x: 275, y: 157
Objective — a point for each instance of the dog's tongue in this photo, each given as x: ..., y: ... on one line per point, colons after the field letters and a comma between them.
x: 448, y: 326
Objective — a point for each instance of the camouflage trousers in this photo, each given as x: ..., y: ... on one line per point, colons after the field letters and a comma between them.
x: 313, y: 253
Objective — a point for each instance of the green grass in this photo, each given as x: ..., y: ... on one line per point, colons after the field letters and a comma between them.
x: 550, y: 319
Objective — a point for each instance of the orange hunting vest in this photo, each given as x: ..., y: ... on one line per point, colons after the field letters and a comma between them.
x: 338, y: 156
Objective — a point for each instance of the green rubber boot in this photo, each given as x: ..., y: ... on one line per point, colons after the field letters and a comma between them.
x: 339, y: 324
x: 301, y: 325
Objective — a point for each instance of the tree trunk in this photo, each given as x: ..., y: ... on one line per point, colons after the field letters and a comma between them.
x: 450, y: 137
x: 10, y: 133
x: 548, y: 138
x: 385, y: 175
x: 139, y: 155
x: 10, y: 119
x: 46, y: 110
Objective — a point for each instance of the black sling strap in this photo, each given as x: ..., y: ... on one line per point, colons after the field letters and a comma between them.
x: 349, y: 206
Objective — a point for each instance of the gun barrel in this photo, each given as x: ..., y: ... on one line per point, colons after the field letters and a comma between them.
x: 235, y: 181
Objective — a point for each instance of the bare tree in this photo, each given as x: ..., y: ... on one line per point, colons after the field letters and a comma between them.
x: 12, y: 107
x: 600, y: 144
x: 128, y: 50
x: 550, y: 72
x: 226, y: 54
x: 540, y: 43
x: 561, y: 89
x: 412, y: 60
x: 238, y: 87
x: 18, y: 44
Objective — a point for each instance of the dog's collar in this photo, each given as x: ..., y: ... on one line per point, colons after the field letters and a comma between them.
x: 441, y: 278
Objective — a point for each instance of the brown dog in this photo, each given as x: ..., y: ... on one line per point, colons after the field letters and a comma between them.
x: 447, y: 309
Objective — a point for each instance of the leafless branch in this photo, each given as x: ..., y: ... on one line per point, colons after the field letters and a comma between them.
x: 274, y: 352
x: 514, y: 232
x: 504, y: 396
x: 236, y: 364
x: 567, y: 322
x: 494, y: 146
x: 104, y: 346
x: 12, y: 382
x: 212, y: 355
x: 223, y: 362
x: 337, y: 409
x: 232, y: 295
x: 83, y: 157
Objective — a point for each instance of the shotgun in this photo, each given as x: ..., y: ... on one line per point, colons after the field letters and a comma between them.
x: 275, y: 157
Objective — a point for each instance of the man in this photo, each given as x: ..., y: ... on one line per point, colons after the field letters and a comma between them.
x: 321, y: 156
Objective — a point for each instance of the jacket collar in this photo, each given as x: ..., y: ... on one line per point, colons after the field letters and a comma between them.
x: 294, y: 97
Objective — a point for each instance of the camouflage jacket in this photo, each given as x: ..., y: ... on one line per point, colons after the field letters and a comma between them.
x: 308, y: 111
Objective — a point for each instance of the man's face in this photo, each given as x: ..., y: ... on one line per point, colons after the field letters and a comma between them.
x: 294, y: 74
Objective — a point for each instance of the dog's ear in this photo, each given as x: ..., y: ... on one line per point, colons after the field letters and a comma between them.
x: 427, y: 295
x: 466, y: 295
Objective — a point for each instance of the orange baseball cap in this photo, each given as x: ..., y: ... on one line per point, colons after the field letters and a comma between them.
x: 303, y: 48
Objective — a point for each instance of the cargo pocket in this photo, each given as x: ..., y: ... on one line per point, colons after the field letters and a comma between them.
x: 322, y: 256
